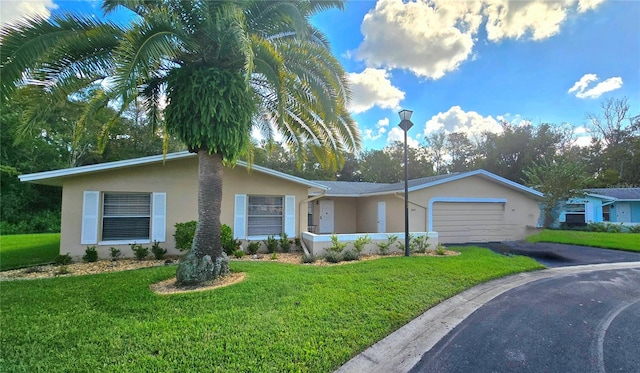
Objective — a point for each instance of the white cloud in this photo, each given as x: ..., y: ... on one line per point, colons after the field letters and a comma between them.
x: 581, y: 136
x: 457, y: 120
x: 381, y: 128
x: 12, y: 11
x: 372, y: 87
x: 430, y: 39
x: 582, y: 90
x: 433, y: 38
x: 397, y: 134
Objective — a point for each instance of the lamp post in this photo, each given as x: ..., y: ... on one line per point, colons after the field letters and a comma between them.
x: 406, y: 124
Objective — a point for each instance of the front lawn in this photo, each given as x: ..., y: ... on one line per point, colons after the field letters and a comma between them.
x: 618, y: 241
x: 281, y: 318
x: 23, y: 250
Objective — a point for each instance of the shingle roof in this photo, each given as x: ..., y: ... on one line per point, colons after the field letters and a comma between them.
x: 350, y: 188
x: 617, y: 193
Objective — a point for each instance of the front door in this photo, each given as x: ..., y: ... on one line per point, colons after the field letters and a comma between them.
x: 382, y: 217
x: 623, y: 213
x: 326, y: 217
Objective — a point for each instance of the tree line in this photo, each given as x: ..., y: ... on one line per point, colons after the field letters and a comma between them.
x: 541, y: 156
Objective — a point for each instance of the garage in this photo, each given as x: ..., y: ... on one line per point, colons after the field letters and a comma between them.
x: 461, y: 222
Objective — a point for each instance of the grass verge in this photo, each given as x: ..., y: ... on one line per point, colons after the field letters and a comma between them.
x: 24, y: 250
x: 281, y: 318
x: 617, y: 241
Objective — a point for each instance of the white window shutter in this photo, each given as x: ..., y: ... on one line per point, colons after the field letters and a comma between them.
x: 159, y: 217
x: 290, y: 216
x: 240, y: 217
x: 90, y: 215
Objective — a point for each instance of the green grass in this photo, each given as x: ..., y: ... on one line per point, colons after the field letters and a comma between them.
x: 24, y: 250
x: 280, y: 318
x: 618, y: 241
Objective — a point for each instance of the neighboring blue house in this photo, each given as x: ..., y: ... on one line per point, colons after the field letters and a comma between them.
x: 609, y: 205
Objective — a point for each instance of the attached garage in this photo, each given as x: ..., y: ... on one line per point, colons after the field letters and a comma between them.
x: 464, y: 221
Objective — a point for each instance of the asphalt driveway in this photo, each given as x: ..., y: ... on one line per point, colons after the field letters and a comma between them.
x: 559, y: 255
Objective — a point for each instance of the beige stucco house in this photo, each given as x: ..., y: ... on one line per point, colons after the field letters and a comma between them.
x: 140, y: 200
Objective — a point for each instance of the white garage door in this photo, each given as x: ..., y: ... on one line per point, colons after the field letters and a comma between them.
x: 461, y: 222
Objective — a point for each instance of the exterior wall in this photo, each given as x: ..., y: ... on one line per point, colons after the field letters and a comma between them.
x: 368, y: 214
x: 521, y: 212
x: 178, y: 179
x: 344, y: 214
x: 635, y: 211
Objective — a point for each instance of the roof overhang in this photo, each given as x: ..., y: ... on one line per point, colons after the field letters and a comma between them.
x: 57, y: 177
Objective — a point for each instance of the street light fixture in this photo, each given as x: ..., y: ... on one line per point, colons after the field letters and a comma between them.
x: 406, y: 124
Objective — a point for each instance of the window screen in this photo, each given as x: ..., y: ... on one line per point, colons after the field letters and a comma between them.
x: 265, y: 215
x: 126, y: 216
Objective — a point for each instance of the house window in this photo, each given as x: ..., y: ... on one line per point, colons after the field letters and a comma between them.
x: 575, y: 214
x: 265, y: 215
x: 606, y: 213
x: 126, y: 216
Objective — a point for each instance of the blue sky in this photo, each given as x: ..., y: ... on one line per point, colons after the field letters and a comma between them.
x: 465, y: 65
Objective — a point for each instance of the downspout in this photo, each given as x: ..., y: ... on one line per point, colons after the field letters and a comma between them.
x: 426, y: 212
x: 324, y: 193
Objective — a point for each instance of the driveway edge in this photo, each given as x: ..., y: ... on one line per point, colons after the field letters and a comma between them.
x: 401, y: 350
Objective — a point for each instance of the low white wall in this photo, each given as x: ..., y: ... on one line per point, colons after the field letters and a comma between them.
x: 317, y: 243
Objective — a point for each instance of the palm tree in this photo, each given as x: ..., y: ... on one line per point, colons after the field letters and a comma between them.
x: 224, y: 67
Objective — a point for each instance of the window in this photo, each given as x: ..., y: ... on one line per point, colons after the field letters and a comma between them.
x: 606, y: 213
x: 575, y: 214
x: 265, y: 215
x: 126, y: 216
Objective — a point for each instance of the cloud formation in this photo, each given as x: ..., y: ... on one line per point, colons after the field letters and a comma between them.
x: 457, y: 120
x: 582, y: 90
x: 397, y: 134
x: 15, y: 10
x: 381, y: 128
x: 433, y: 38
x: 372, y: 87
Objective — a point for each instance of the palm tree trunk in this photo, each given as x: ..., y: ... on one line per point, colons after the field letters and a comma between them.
x: 207, y: 238
x: 206, y: 261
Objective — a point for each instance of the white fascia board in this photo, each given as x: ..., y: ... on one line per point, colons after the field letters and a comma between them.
x: 41, y: 176
x: 601, y: 196
x: 54, y: 175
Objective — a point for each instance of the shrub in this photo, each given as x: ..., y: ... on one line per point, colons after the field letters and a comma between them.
x: 184, y: 234
x: 238, y: 254
x: 139, y: 252
x: 597, y: 227
x: 285, y: 244
x: 297, y: 242
x: 308, y: 258
x: 360, y: 243
x: 333, y: 257
x: 385, y: 246
x: 115, y: 253
x: 274, y: 256
x: 63, y: 270
x: 440, y: 250
x: 229, y: 244
x: 349, y: 256
x: 90, y: 254
x: 272, y: 244
x: 336, y: 245
x: 614, y: 228
x: 633, y: 228
x: 158, y: 252
x: 63, y: 259
x: 419, y: 244
x: 253, y: 247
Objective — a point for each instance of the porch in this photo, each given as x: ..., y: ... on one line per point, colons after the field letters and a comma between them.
x: 316, y: 244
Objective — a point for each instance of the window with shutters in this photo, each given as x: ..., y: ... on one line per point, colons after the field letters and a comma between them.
x: 265, y: 215
x: 126, y: 216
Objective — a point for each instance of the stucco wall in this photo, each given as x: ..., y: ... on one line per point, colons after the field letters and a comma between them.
x: 178, y: 179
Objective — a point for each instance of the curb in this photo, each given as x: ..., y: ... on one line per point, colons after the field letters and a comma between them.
x: 401, y: 350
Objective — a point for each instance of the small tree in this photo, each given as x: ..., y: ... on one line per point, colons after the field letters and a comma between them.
x: 559, y: 180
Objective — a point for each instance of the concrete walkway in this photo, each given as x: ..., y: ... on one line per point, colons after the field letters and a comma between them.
x: 402, y: 350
